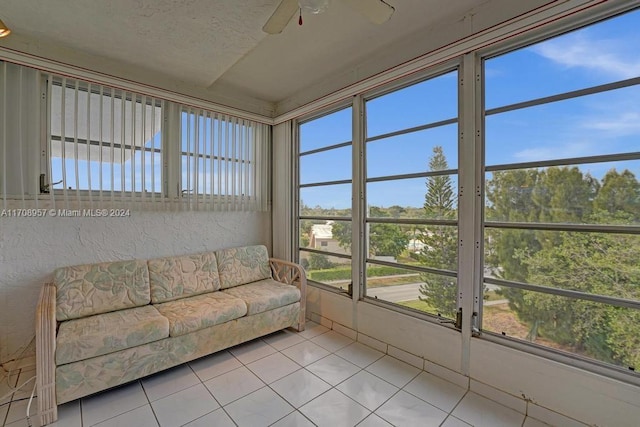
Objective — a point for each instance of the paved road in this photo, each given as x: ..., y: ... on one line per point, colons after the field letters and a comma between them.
x: 409, y: 292
x: 495, y: 302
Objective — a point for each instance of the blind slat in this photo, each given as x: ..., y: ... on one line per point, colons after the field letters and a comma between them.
x: 102, y: 149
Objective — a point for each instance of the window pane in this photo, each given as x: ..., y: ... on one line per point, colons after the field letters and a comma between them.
x: 89, y: 171
x: 604, y: 123
x: 595, y: 193
x: 218, y: 155
x: 434, y: 246
x: 410, y: 153
x: 432, y: 197
x: 327, y: 269
x: 595, y: 55
x: 423, y: 103
x: 389, y: 242
x: 104, y: 133
x: 331, y: 165
x: 595, y: 330
x: 332, y: 129
x: 431, y: 293
x: 594, y: 263
x: 326, y: 200
x: 330, y: 236
x: 602, y: 193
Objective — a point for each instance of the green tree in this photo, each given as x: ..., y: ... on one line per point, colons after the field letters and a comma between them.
x: 594, y: 263
x: 341, y: 231
x: 620, y: 192
x: 439, y: 200
x: 440, y: 242
x: 397, y: 211
x: 557, y: 194
x: 564, y: 194
x: 319, y: 261
x: 509, y: 199
x: 387, y: 240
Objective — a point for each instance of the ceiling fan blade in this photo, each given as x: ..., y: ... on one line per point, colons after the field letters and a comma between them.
x: 281, y: 17
x: 376, y: 11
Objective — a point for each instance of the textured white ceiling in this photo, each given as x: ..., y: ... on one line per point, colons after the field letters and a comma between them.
x: 192, y: 40
x: 330, y: 42
x: 218, y: 47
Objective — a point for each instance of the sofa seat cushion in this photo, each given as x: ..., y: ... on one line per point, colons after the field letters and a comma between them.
x: 177, y: 277
x: 92, y: 336
x: 86, y: 290
x: 202, y: 311
x: 265, y: 295
x: 238, y: 266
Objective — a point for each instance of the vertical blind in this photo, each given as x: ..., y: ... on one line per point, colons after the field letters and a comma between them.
x: 72, y: 144
x: 105, y: 144
x: 223, y: 161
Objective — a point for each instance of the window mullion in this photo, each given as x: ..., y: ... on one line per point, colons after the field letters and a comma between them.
x: 358, y: 220
x: 467, y: 200
x: 172, y: 152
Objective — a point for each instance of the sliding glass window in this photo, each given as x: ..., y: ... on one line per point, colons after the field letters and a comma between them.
x: 562, y: 201
x: 324, y: 196
x: 411, y: 214
x: 103, y: 139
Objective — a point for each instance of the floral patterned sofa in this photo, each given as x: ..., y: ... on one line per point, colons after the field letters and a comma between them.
x: 102, y: 325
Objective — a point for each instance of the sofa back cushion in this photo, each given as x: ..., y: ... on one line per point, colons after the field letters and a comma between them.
x: 85, y: 290
x: 238, y: 266
x: 177, y: 277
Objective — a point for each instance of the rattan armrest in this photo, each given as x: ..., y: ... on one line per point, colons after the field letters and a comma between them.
x: 45, y: 354
x: 292, y: 274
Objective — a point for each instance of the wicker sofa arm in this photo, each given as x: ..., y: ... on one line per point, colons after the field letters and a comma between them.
x: 45, y: 354
x: 291, y: 273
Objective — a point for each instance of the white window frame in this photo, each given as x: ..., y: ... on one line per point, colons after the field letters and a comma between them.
x: 297, y: 199
x: 471, y: 172
x: 556, y: 29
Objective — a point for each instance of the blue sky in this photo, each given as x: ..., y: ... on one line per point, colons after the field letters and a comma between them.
x: 128, y: 175
x: 605, y: 123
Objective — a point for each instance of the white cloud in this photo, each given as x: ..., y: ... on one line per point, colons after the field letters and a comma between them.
x: 627, y: 123
x: 616, y: 58
x: 573, y: 149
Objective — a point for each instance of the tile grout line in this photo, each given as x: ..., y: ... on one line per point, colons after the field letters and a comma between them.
x: 13, y: 393
x: 211, y: 394
x: 245, y: 395
x: 456, y: 405
x: 278, y: 394
x: 373, y: 374
x: 81, y: 415
x: 144, y: 390
x: 130, y: 410
x: 422, y: 369
x: 263, y: 342
x: 282, y: 418
x: 351, y: 376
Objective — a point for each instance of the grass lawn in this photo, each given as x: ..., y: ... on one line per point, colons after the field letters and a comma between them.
x: 419, y: 305
x: 492, y: 296
x: 375, y: 282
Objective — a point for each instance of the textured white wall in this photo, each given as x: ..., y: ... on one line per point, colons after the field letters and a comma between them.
x: 30, y: 249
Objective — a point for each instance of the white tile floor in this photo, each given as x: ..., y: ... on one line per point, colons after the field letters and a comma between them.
x: 317, y: 377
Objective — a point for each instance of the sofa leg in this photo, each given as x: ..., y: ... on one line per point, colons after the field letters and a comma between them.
x: 47, y: 407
